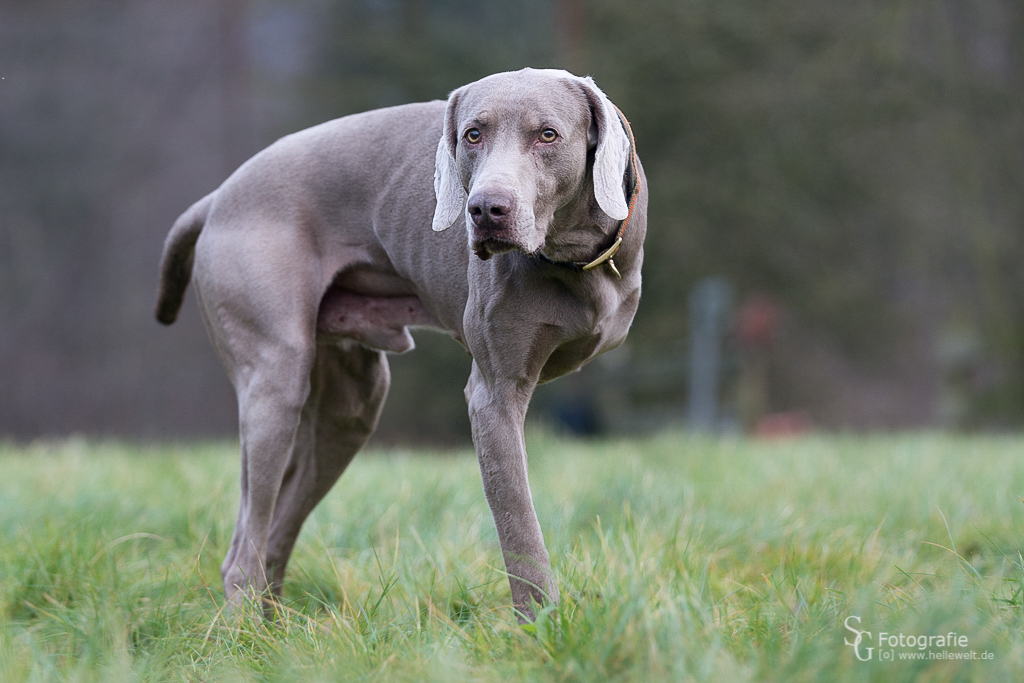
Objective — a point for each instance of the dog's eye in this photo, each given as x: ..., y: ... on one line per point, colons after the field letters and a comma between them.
x: 548, y: 135
x: 473, y: 136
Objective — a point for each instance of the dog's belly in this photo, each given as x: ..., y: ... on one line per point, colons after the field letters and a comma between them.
x: 373, y: 308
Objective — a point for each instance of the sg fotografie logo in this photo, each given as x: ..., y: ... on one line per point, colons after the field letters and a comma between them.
x: 902, y: 646
x: 857, y: 640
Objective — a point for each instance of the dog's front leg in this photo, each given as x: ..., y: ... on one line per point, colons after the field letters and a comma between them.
x: 497, y: 410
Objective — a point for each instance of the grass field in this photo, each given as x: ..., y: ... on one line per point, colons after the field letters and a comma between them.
x: 678, y: 558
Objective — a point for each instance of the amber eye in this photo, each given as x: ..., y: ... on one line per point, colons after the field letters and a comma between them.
x: 548, y: 135
x: 473, y: 136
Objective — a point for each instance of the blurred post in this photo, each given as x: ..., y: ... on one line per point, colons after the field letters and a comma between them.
x: 710, y: 304
x: 755, y: 328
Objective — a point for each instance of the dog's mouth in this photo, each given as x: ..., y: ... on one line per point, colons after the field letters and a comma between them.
x: 491, y: 246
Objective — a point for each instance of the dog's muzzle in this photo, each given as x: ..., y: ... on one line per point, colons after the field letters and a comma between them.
x: 492, y: 212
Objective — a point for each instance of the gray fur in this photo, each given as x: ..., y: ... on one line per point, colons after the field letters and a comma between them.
x: 315, y: 257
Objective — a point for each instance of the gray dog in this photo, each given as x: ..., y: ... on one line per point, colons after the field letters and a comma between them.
x: 314, y: 258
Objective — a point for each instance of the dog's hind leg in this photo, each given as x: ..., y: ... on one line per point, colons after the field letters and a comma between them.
x: 271, y: 399
x: 259, y: 298
x: 348, y: 386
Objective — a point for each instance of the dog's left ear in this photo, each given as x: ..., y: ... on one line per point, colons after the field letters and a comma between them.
x: 451, y: 196
x: 612, y: 152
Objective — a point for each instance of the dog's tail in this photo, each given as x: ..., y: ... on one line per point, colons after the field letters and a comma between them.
x: 176, y: 263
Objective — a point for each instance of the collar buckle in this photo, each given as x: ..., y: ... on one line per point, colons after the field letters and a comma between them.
x: 606, y: 257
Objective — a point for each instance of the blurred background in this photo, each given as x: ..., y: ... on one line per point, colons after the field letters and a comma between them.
x: 836, y: 201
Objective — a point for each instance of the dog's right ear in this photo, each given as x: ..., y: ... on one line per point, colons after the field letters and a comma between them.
x: 451, y: 196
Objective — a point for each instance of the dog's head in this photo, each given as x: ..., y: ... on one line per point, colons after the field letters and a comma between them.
x: 518, y: 147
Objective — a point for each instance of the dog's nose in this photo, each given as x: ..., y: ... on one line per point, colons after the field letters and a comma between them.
x: 490, y: 210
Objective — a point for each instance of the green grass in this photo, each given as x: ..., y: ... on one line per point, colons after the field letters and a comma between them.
x: 678, y: 559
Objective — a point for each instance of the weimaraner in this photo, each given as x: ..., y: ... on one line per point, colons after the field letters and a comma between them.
x: 314, y: 258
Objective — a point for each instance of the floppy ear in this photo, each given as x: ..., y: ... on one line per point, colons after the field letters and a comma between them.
x: 448, y: 190
x: 612, y: 154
